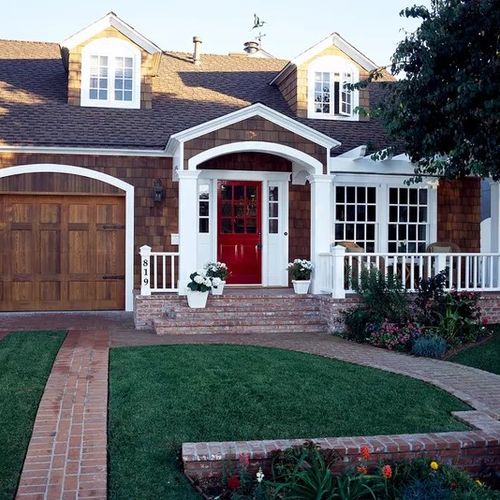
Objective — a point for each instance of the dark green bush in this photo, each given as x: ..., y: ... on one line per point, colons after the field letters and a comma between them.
x: 430, y: 346
x: 383, y: 298
x: 430, y: 488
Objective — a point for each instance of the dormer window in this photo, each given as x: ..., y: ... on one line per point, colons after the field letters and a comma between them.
x: 111, y: 74
x: 328, y: 96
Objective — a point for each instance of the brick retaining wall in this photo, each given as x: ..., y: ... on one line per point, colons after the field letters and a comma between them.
x: 471, y: 450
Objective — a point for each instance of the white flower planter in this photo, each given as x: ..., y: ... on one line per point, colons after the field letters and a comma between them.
x: 301, y: 287
x: 196, y: 300
x: 217, y: 290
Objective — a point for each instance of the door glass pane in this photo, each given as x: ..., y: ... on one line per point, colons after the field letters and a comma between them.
x: 227, y: 226
x: 239, y: 193
x: 239, y: 210
x: 239, y: 225
x: 227, y: 209
x: 227, y: 192
x: 273, y: 193
x: 273, y: 210
x: 273, y: 226
x: 251, y: 226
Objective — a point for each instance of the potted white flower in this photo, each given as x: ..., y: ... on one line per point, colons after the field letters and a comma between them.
x: 197, y: 289
x: 217, y: 272
x: 301, y: 270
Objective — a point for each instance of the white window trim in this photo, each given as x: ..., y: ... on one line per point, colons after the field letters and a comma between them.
x: 382, y: 184
x: 332, y: 64
x: 111, y: 47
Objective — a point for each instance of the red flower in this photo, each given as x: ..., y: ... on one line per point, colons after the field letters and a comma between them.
x: 365, y: 453
x: 387, y: 471
x: 244, y: 459
x: 485, y: 321
x: 233, y: 483
x: 362, y: 469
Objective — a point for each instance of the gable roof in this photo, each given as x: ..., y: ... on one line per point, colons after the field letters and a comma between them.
x: 332, y: 40
x: 34, y: 109
x: 107, y: 21
x: 257, y: 109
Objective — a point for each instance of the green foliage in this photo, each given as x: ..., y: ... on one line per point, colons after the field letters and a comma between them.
x: 445, y: 109
x: 430, y: 488
x: 304, y: 472
x: 430, y: 346
x: 383, y: 298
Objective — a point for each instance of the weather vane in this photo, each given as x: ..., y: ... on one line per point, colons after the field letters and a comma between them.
x: 257, y: 23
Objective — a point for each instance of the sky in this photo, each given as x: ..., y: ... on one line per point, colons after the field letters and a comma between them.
x: 372, y: 26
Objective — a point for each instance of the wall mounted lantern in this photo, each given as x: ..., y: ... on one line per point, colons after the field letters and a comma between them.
x: 158, y: 191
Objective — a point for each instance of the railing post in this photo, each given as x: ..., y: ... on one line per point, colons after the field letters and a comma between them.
x: 338, y: 290
x: 145, y: 253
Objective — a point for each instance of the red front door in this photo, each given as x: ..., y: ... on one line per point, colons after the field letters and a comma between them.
x: 239, y: 242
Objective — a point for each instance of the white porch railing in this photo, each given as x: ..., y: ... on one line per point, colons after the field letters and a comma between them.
x: 338, y: 272
x: 159, y: 271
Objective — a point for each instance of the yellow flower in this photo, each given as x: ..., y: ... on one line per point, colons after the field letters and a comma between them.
x: 434, y: 465
x: 478, y: 482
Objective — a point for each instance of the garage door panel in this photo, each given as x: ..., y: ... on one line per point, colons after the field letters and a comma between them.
x: 79, y: 252
x: 110, y: 252
x: 50, y: 291
x: 79, y: 213
x: 50, y: 213
x: 50, y: 251
x: 52, y: 247
x: 22, y: 252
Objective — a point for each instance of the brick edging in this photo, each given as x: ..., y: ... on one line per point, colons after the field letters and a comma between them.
x: 469, y: 450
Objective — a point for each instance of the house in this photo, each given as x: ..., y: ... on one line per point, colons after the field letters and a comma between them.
x: 109, y: 143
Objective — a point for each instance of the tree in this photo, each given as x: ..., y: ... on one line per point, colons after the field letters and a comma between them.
x: 445, y: 111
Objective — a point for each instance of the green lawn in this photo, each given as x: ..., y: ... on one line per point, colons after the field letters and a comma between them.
x: 25, y: 363
x: 485, y: 356
x: 163, y: 395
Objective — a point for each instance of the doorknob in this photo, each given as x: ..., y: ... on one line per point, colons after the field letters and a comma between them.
x: 286, y: 233
x: 258, y: 246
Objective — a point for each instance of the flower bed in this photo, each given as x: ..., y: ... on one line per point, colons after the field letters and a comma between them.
x: 311, y: 470
x: 430, y: 324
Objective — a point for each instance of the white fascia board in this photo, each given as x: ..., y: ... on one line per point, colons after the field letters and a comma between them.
x: 334, y: 40
x: 83, y: 151
x: 366, y: 166
x: 110, y: 20
x: 263, y: 111
x: 354, y: 154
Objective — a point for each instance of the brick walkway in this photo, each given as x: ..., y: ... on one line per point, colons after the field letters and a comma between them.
x: 66, y: 456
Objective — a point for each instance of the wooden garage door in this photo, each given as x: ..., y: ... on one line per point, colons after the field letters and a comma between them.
x: 62, y: 252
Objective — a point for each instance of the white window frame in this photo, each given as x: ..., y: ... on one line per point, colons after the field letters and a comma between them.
x: 111, y: 48
x: 383, y: 184
x: 332, y: 65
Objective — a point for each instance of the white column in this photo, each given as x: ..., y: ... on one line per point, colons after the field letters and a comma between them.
x: 495, y: 230
x: 321, y: 220
x: 495, y: 217
x: 188, y: 225
x: 338, y: 262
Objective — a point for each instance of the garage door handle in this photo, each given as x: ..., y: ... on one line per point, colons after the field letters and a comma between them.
x: 114, y: 277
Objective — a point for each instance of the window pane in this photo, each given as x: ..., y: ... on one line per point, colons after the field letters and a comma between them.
x: 371, y: 213
x: 127, y: 84
x: 273, y: 226
x: 403, y: 195
x: 370, y: 231
x: 361, y: 195
x: 227, y: 226
x: 392, y: 232
x: 118, y: 84
x: 93, y: 93
x: 204, y: 226
x: 239, y: 192
x: 339, y: 232
x: 393, y: 214
x: 340, y: 213
x: 413, y: 196
x: 227, y: 192
x: 339, y: 194
x: 273, y: 210
x: 371, y: 195
x: 422, y: 214
x: 204, y: 208
x: 239, y: 225
x: 103, y: 94
x: 351, y: 195
x: 360, y: 232
x: 413, y: 214
x: 422, y: 196
x: 273, y: 193
x: 393, y: 196
x: 349, y: 231
x: 118, y: 95
x: 361, y: 213
x: 351, y: 210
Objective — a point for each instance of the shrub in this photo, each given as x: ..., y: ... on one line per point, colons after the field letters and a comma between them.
x: 383, y: 298
x: 430, y: 302
x: 430, y: 346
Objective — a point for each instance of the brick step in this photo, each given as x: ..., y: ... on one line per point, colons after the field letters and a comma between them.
x: 209, y: 315
x: 316, y: 327
x: 235, y: 321
x: 214, y: 305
